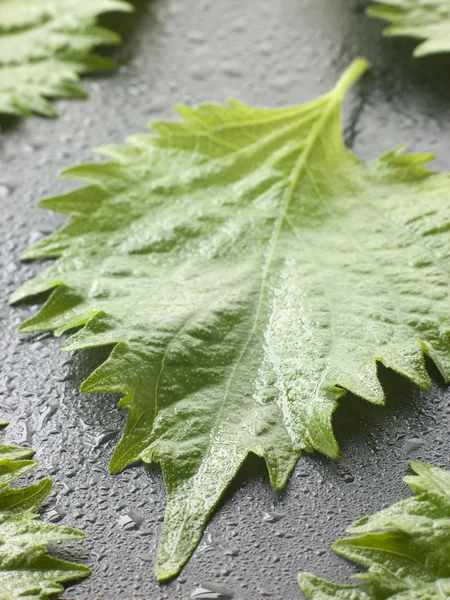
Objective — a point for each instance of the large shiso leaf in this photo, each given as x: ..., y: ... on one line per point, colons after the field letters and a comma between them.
x: 248, y: 270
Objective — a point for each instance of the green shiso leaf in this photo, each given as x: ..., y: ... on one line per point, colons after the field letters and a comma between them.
x: 248, y: 270
x: 406, y: 547
x: 426, y: 20
x: 46, y: 46
x: 26, y: 568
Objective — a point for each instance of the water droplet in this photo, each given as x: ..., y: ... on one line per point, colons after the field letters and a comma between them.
x: 102, y: 438
x: 212, y: 591
x: 231, y: 552
x: 414, y: 444
x: 26, y: 438
x: 50, y: 410
x: 272, y: 517
x: 149, y: 558
x: 126, y: 522
x: 231, y: 70
x: 206, y: 544
x: 225, y: 572
x: 196, y: 37
x: 56, y: 514
x: 346, y: 476
x: 302, y: 474
x: 131, y: 520
x: 5, y: 190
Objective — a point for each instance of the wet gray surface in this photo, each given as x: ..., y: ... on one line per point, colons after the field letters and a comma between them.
x: 261, y: 52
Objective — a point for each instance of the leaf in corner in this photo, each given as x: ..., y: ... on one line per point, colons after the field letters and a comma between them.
x: 249, y: 270
x: 26, y: 569
x: 406, y: 547
x: 426, y: 20
x: 46, y: 46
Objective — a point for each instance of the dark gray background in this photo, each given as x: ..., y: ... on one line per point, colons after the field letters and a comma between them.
x: 262, y: 52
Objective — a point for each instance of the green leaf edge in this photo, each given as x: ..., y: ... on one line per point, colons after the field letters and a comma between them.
x: 389, y: 14
x: 35, y: 495
x: 312, y: 586
x: 82, y: 63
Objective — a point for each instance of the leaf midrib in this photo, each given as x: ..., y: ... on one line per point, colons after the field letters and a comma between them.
x: 335, y: 99
x: 295, y: 176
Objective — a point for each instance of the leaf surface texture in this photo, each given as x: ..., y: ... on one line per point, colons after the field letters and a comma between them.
x: 426, y: 20
x: 26, y: 569
x: 248, y: 270
x: 45, y: 45
x: 406, y: 547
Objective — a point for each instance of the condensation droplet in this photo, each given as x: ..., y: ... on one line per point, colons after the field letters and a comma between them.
x: 212, y: 591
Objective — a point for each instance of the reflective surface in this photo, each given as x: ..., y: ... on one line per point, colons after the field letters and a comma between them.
x: 261, y: 53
